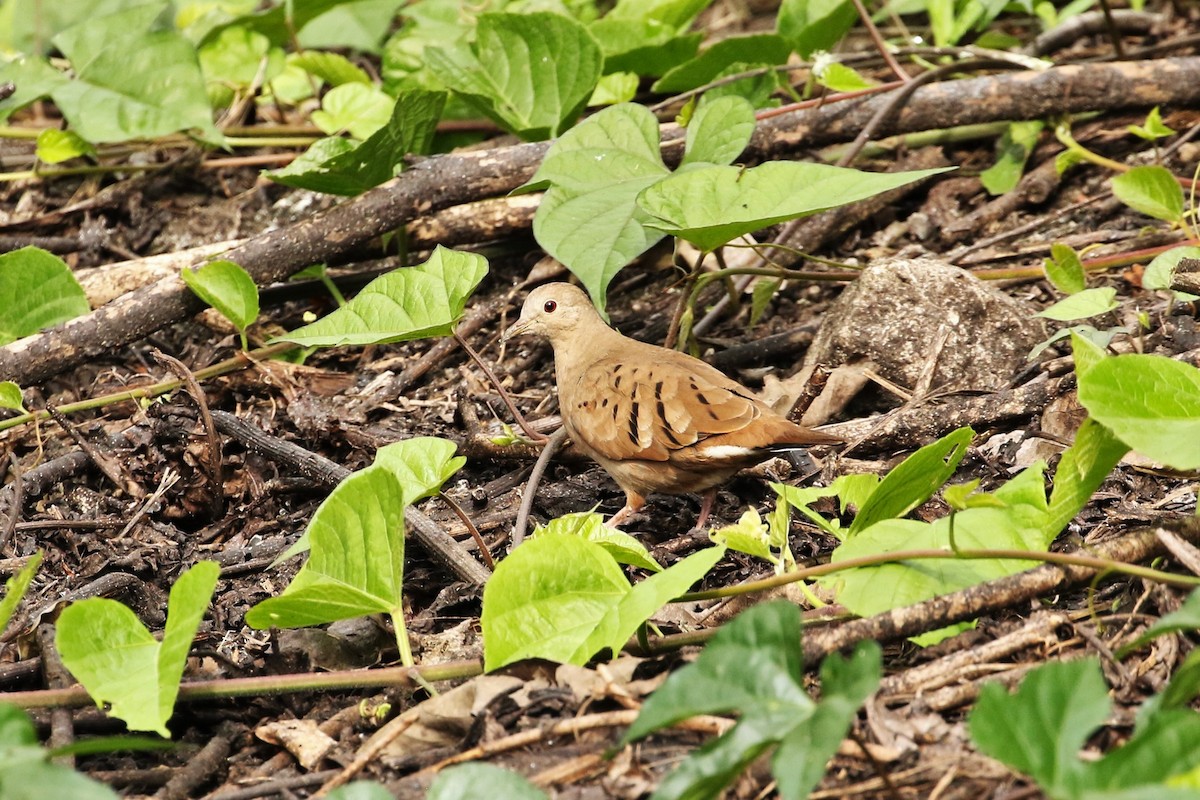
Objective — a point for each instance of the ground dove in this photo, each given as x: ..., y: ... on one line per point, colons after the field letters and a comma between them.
x: 657, y: 420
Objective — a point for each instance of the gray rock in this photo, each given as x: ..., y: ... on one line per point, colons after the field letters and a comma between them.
x: 893, y: 313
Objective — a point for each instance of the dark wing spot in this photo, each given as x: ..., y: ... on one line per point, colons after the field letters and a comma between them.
x: 670, y: 435
x: 703, y: 400
x: 604, y: 403
x: 633, y: 423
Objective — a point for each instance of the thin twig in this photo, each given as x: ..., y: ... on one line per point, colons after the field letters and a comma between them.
x: 552, y: 446
x: 212, y: 456
x: 491, y: 376
x: 484, y: 553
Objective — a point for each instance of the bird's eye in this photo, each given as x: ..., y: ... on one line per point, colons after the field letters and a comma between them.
x: 550, y: 306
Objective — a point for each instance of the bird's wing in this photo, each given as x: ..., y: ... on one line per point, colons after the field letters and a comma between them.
x: 650, y: 410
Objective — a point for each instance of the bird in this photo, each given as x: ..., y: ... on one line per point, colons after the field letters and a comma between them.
x: 656, y: 420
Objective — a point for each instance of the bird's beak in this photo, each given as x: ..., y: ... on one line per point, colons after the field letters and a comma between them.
x: 519, y: 328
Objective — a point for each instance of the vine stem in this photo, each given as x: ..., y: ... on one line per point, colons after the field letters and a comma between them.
x: 878, y: 559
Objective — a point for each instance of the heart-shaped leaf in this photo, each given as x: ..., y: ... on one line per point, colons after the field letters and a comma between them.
x: 357, y: 561
x: 712, y: 206
x: 408, y: 303
x: 226, y: 287
x: 121, y: 664
x: 1151, y: 403
x: 37, y: 290
x: 531, y: 73
x: 564, y: 598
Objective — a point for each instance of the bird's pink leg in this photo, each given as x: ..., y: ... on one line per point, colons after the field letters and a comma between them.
x: 706, y: 504
x: 633, y: 504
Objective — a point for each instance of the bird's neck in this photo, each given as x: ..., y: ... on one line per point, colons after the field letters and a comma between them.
x: 590, y: 342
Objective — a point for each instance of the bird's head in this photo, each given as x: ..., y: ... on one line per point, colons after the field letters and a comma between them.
x: 555, y: 310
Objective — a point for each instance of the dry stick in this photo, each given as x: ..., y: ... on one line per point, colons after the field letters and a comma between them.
x: 18, y: 500
x: 107, y: 466
x: 492, y: 379
x: 880, y: 45
x: 62, y: 727
x: 974, y: 601
x: 212, y: 455
x: 549, y: 450
x: 448, y: 180
x: 484, y: 553
x: 202, y: 766
x: 440, y: 545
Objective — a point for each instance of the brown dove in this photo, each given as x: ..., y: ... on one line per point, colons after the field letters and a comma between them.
x: 657, y: 420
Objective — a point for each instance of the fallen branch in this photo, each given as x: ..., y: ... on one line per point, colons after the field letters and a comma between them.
x: 453, y: 179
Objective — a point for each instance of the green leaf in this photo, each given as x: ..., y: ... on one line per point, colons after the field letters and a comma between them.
x: 712, y: 206
x: 1019, y: 523
x: 748, y: 535
x: 359, y: 25
x: 719, y: 131
x: 811, y: 25
x: 761, y: 48
x: 589, y: 218
x: 356, y: 108
x: 37, y: 290
x: 15, y: 588
x: 530, y: 73
x: 589, y: 525
x: 1184, y: 619
x: 676, y: 14
x: 336, y: 166
x: 131, y: 82
x: 369, y: 790
x: 1012, y: 152
x: 409, y: 303
x: 467, y: 780
x: 846, y: 683
x: 121, y: 664
x: 1064, y: 269
x: 55, y: 146
x: 33, y: 78
x: 357, y: 562
x: 546, y: 599
x: 1161, y: 271
x: 564, y: 598
x: 1151, y: 403
x: 333, y: 68
x: 1153, y: 129
x: 226, y: 287
x: 616, y: 87
x: 421, y: 464
x: 1040, y: 729
x: 913, y: 481
x: 801, y: 497
x: 837, y: 77
x: 10, y: 397
x: 279, y: 23
x: 1151, y: 190
x: 1083, y: 467
x: 1086, y: 353
x: 26, y: 773
x: 754, y: 667
x: 235, y: 59
x: 645, y: 47
x: 1081, y: 305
